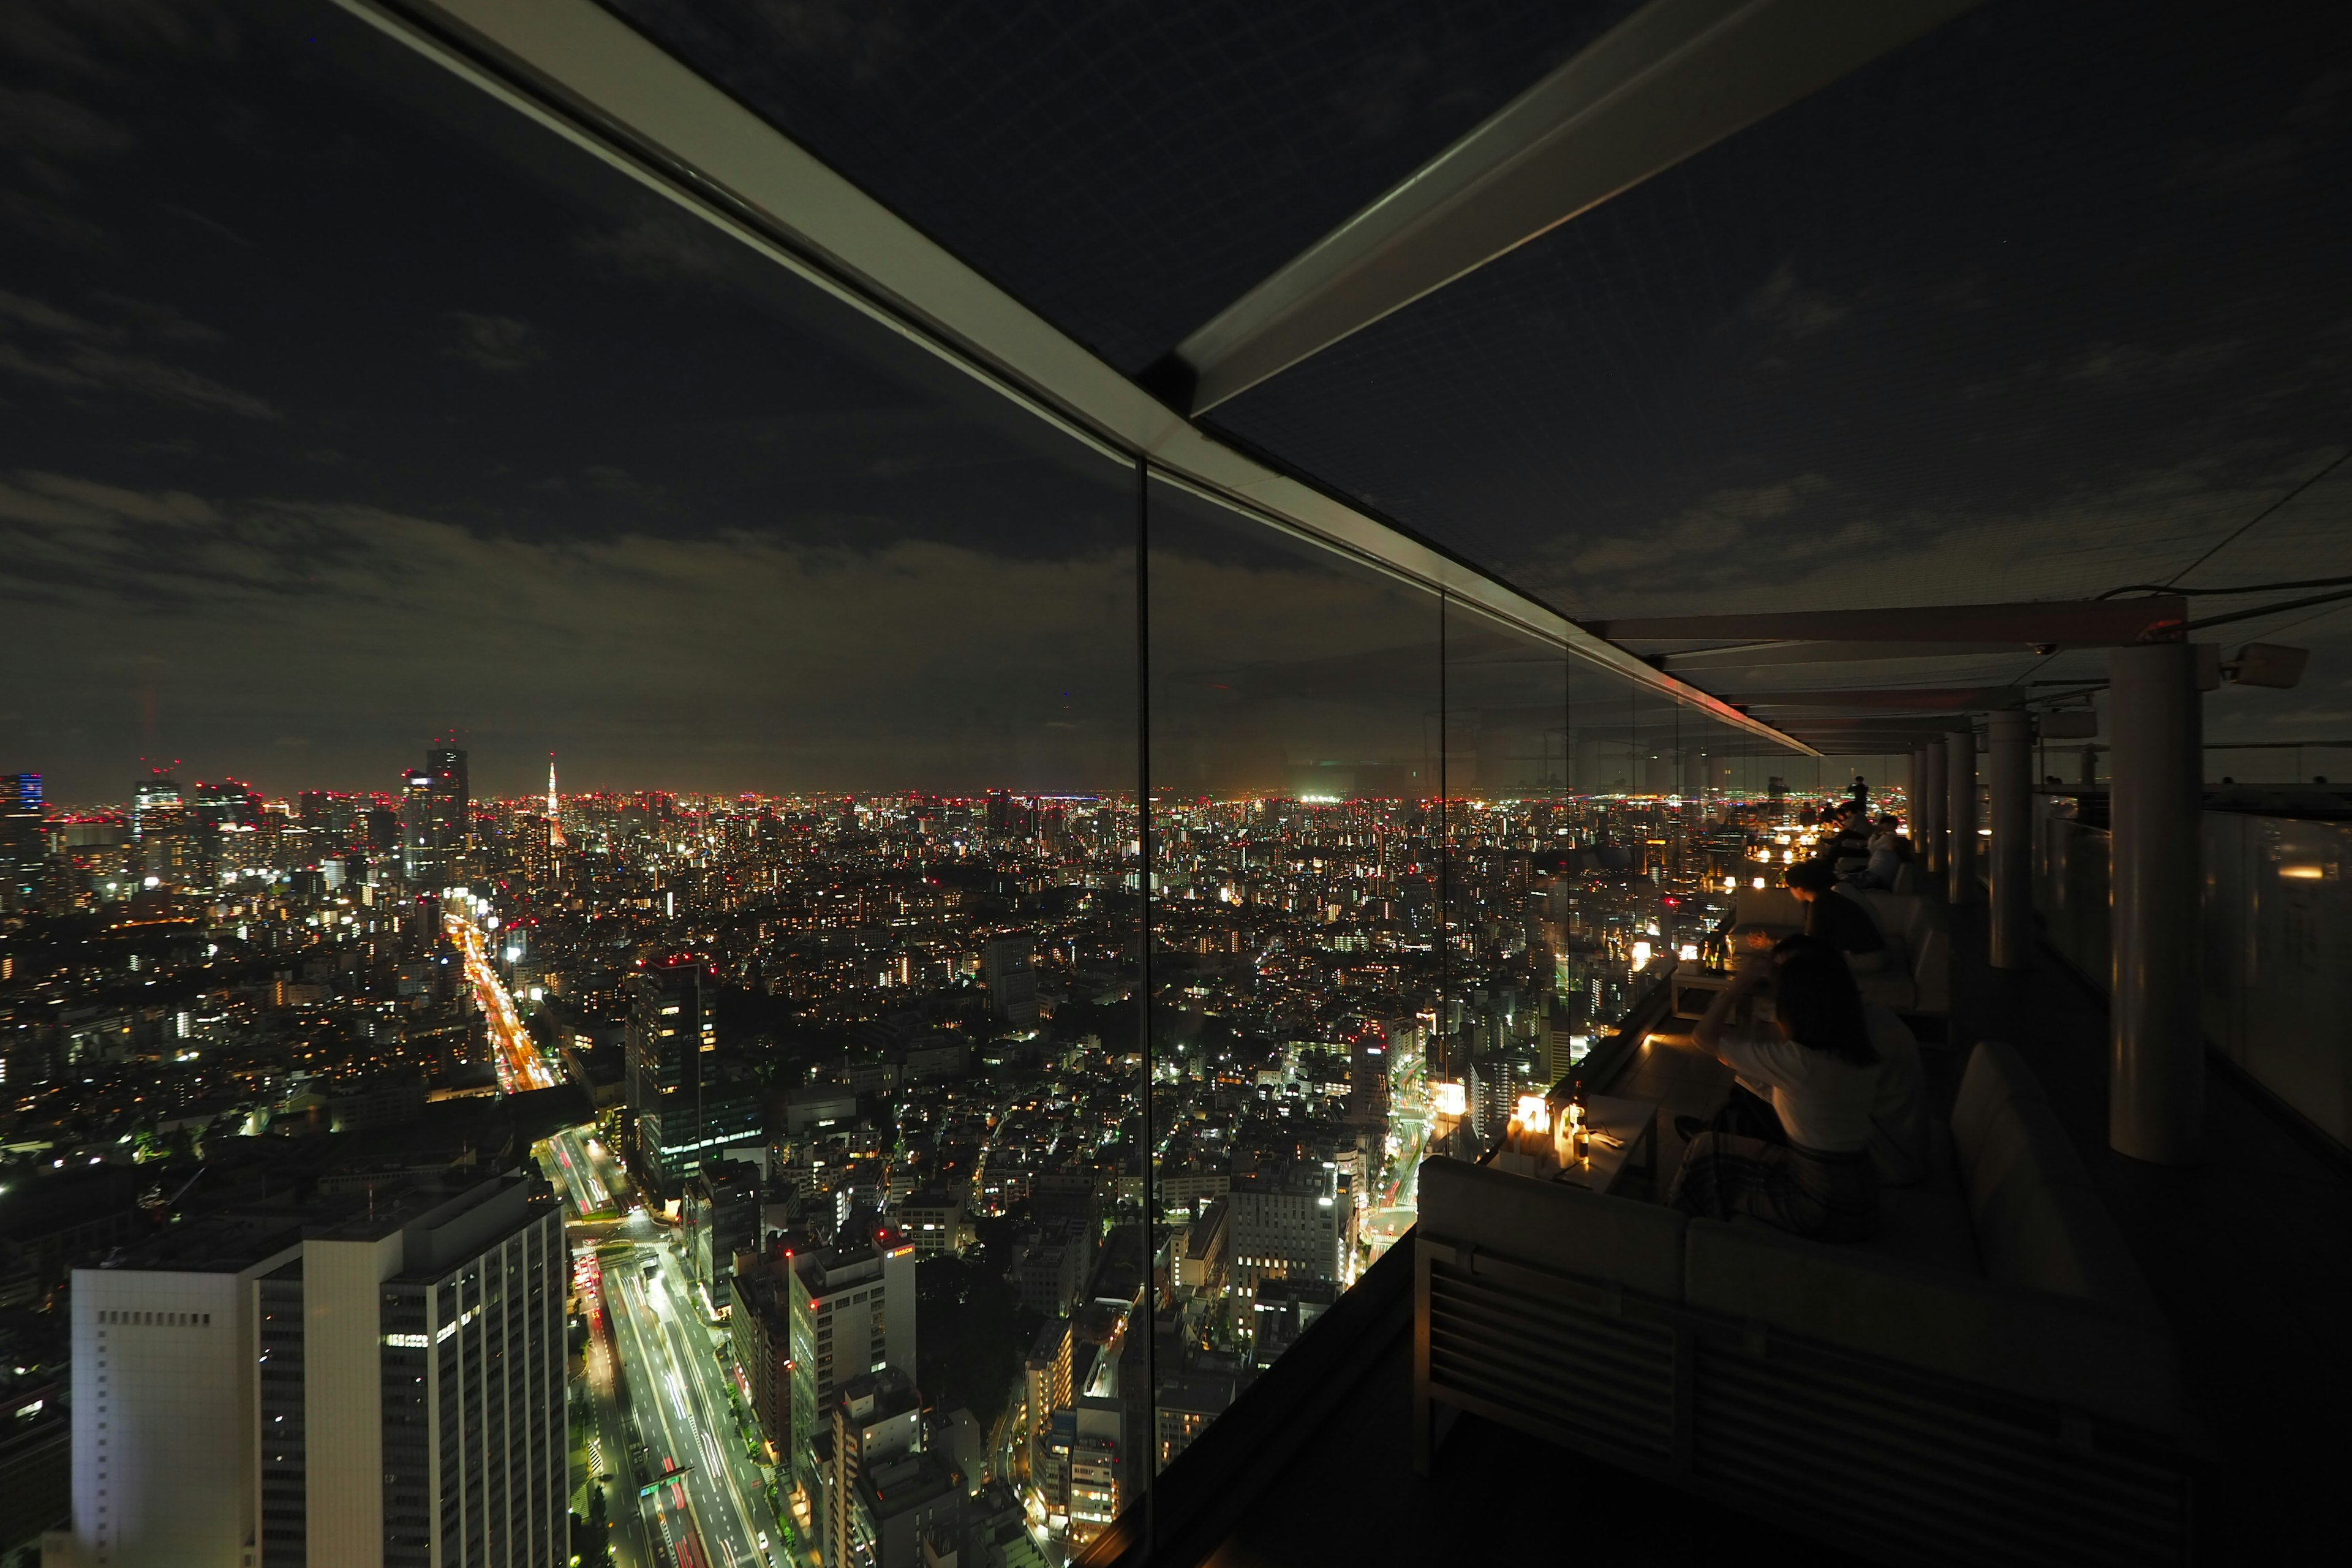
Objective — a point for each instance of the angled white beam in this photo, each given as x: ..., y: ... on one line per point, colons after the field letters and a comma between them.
x: 1669, y: 81
x: 579, y: 72
x: 1887, y: 700
x: 1759, y: 656
x: 2069, y: 623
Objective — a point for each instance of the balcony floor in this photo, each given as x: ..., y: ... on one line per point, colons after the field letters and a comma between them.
x: 2250, y: 1256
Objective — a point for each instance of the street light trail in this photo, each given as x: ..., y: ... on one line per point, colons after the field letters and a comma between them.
x: 518, y: 1064
x: 718, y: 1511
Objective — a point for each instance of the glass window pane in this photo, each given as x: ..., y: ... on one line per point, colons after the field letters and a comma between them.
x: 1296, y: 745
x: 372, y: 445
x: 1506, y: 722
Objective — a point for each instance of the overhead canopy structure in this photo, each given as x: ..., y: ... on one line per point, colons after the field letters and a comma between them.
x: 1465, y: 372
x: 1669, y: 81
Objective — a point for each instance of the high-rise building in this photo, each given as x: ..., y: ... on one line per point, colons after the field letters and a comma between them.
x: 1045, y: 1386
x: 681, y: 1104
x: 23, y: 838
x: 1010, y: 962
x: 882, y: 1493
x: 1368, y: 1076
x: 453, y: 799
x: 377, y: 1385
x: 420, y: 861
x: 437, y: 815
x: 722, y: 1216
x: 168, y: 854
x: 1288, y: 1223
x: 852, y: 1311
x: 759, y: 1331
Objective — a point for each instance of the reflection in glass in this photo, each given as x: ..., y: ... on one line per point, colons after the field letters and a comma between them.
x: 1296, y: 752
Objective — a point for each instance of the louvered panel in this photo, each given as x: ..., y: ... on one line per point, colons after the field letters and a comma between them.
x: 1809, y: 1431
x: 1546, y: 1361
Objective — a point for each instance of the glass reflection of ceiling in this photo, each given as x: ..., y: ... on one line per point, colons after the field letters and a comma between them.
x: 2047, y: 304
x: 1127, y: 170
x: 338, y: 406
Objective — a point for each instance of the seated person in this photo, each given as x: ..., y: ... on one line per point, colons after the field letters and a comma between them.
x: 1842, y: 922
x: 1899, y: 1142
x: 1888, y: 850
x: 1817, y: 1062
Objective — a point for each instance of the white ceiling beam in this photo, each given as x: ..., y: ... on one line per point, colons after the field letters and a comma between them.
x: 1669, y: 81
x: 2031, y: 624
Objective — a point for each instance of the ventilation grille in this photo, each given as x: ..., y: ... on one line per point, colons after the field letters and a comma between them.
x: 1550, y: 1363
x: 1906, y: 1468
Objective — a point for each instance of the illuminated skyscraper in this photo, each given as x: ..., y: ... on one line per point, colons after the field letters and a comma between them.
x: 24, y: 837
x: 437, y: 811
x: 680, y: 1104
x: 160, y: 822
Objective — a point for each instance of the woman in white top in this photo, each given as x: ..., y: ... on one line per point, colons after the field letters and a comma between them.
x: 1822, y: 1072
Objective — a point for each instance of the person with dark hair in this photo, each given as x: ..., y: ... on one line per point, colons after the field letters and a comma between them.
x: 1818, y: 1065
x: 1844, y: 923
x: 1898, y: 1111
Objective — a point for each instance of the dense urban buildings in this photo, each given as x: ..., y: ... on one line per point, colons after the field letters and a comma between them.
x: 1177, y: 638
x: 859, y: 1061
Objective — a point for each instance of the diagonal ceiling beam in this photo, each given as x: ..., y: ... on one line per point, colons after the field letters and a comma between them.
x: 1886, y: 700
x: 1759, y: 656
x: 1878, y: 724
x: 1669, y: 81
x: 2069, y: 623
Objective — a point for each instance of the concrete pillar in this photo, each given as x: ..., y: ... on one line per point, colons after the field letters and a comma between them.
x: 1960, y: 816
x: 1929, y: 830
x: 2156, y: 1085
x: 2010, y: 760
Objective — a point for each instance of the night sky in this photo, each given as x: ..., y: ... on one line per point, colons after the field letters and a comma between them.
x: 339, y: 409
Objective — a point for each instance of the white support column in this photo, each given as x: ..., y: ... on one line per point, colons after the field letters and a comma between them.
x: 1960, y: 815
x: 2156, y: 1090
x: 2010, y: 760
x: 1930, y: 829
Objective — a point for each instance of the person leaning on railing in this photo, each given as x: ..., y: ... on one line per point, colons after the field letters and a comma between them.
x: 1821, y: 1071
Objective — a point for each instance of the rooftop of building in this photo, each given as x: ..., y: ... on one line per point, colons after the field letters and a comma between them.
x: 435, y: 1210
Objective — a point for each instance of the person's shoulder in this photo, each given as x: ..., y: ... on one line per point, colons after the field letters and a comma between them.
x: 1760, y: 1047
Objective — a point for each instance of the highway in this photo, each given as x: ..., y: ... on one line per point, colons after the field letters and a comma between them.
x: 679, y: 1393
x: 715, y: 1514
x: 512, y: 1053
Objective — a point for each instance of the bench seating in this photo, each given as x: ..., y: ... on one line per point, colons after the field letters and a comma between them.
x: 1989, y: 1380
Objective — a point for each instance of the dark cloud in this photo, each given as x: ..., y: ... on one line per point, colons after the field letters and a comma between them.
x: 498, y: 343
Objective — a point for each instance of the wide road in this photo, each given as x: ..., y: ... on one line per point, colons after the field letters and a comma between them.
x: 676, y: 1378
x: 683, y: 1418
x: 512, y: 1052
x: 609, y: 1451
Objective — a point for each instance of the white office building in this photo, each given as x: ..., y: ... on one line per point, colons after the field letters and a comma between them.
x: 370, y: 1385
